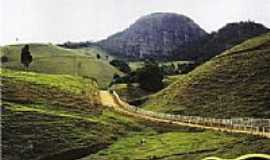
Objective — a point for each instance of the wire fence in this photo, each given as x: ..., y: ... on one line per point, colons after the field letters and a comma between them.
x: 253, y: 126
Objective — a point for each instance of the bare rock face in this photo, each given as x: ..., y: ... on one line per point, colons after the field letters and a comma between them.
x: 156, y: 35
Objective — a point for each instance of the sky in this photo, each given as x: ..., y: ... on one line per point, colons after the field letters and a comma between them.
x: 58, y: 21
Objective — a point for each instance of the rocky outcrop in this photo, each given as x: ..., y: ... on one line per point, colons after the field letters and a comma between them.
x: 156, y: 35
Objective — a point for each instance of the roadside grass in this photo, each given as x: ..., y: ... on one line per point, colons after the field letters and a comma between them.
x: 181, y: 146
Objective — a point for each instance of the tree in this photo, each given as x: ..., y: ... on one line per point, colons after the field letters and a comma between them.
x: 98, y: 56
x: 4, y: 59
x: 26, y: 57
x: 121, y: 65
x: 150, y: 76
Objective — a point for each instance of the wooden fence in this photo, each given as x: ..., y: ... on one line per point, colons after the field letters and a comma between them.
x: 259, y: 127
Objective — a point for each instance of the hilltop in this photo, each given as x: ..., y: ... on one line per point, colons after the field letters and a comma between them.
x: 156, y: 35
x: 48, y: 58
x: 233, y: 84
x: 225, y: 38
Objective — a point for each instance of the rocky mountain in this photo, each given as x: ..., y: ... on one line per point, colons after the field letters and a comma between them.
x: 156, y: 35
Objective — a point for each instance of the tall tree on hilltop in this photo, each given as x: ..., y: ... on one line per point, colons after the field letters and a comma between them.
x: 26, y: 57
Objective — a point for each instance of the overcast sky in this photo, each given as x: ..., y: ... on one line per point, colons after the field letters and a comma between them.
x: 81, y: 20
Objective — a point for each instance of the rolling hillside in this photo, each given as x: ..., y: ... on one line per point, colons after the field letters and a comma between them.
x: 57, y: 60
x: 56, y: 117
x: 233, y: 84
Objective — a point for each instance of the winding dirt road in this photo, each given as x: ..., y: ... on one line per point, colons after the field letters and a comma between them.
x: 113, y: 101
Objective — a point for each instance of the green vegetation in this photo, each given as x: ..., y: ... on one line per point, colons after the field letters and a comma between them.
x: 129, y: 92
x: 150, y: 77
x: 51, y: 129
x: 60, y: 116
x: 233, y: 84
x: 168, y: 80
x: 121, y: 65
x: 139, y: 64
x: 93, y: 51
x: 57, y: 60
x: 180, y: 146
x: 44, y: 114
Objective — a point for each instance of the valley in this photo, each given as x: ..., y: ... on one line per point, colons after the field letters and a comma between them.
x: 161, y: 89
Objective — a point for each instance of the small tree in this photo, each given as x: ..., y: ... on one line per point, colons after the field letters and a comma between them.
x: 26, y: 57
x: 4, y: 59
x: 98, y: 56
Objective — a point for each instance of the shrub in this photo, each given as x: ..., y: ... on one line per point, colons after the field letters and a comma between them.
x: 121, y: 65
x: 4, y: 59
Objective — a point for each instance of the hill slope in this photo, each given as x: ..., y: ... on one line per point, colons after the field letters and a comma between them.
x: 60, y: 117
x: 226, y: 37
x: 155, y: 35
x: 55, y: 115
x: 57, y: 60
x: 233, y: 84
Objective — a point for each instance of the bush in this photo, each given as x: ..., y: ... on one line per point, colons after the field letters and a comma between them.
x: 4, y: 59
x: 121, y: 65
x: 98, y: 56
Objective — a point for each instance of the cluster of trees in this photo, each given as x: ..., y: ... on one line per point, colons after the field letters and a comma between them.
x: 173, y: 69
x: 149, y: 76
x: 75, y: 45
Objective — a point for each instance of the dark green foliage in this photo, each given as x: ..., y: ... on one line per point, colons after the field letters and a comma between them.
x: 75, y: 45
x: 121, y: 65
x: 169, y: 69
x: 150, y: 76
x: 185, y: 68
x: 26, y: 57
x: 98, y: 56
x: 4, y: 59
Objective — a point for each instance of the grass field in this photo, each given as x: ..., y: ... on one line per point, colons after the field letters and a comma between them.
x: 48, y: 58
x: 180, y: 146
x: 233, y: 84
x: 94, y: 50
x: 138, y: 64
x: 46, y: 114
x: 60, y: 117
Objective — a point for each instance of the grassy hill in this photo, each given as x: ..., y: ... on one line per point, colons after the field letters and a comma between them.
x: 233, y: 84
x: 94, y: 50
x: 46, y: 114
x: 60, y: 117
x: 49, y: 58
